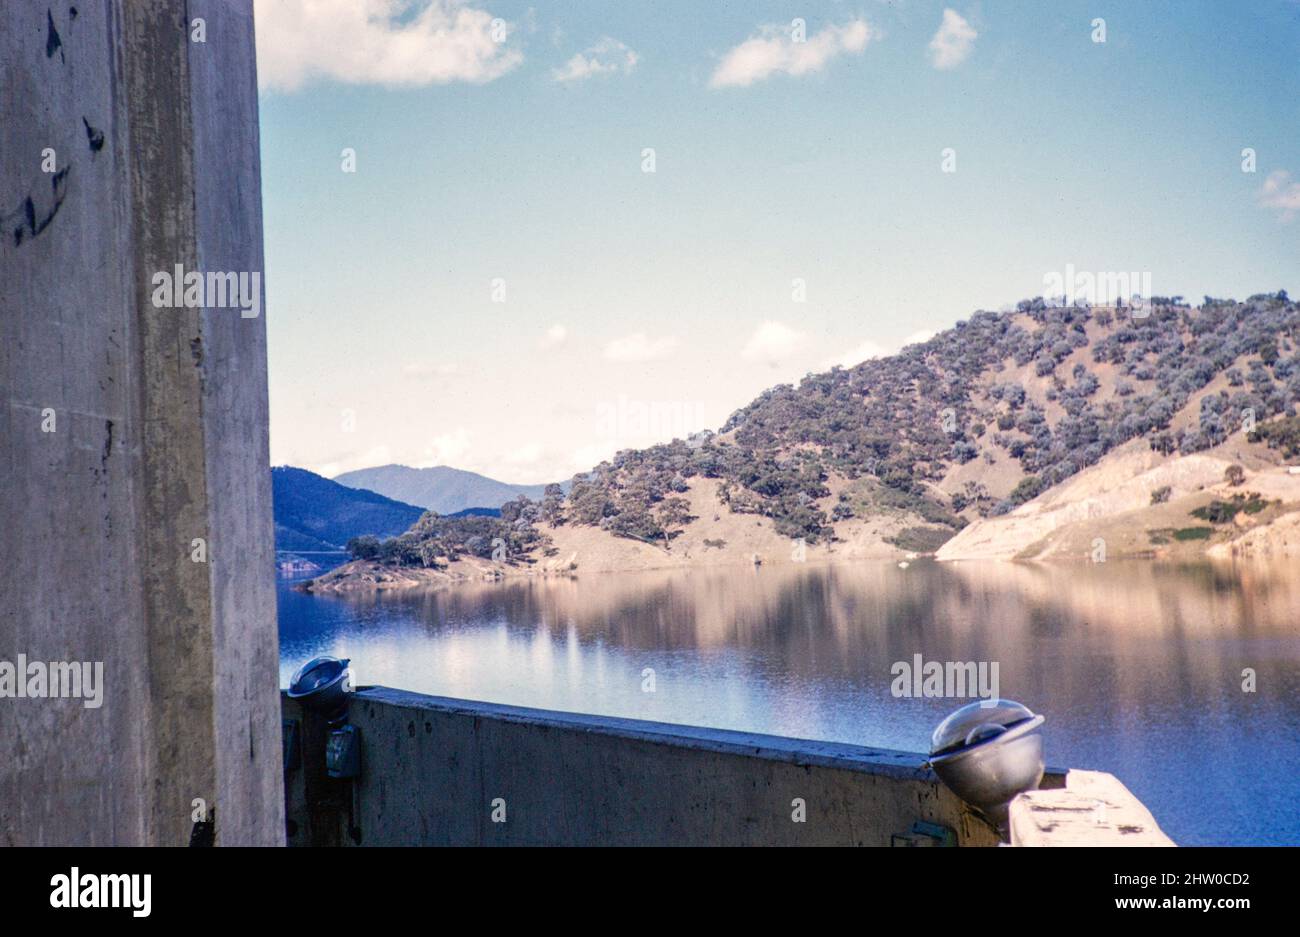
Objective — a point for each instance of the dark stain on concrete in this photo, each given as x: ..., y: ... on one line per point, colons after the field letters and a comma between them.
x: 52, y: 41
x: 108, y: 443
x: 94, y: 137
x: 27, y: 221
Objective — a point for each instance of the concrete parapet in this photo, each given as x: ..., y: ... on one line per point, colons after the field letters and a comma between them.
x: 436, y: 771
x: 1093, y: 809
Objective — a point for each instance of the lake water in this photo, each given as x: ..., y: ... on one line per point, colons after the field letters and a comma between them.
x: 1138, y: 667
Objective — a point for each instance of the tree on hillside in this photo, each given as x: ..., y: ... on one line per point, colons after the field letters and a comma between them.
x: 363, y: 548
x: 553, y: 505
x: 672, y: 513
x: 589, y: 502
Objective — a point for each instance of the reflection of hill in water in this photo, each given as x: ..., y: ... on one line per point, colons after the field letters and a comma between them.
x: 711, y: 607
x: 1127, y: 636
x: 1153, y: 598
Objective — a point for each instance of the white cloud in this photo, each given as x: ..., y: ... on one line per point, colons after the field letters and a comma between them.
x: 378, y: 42
x: 773, y: 50
x: 446, y: 449
x: 952, y: 44
x: 1281, y: 194
x: 773, y: 343
x: 586, y: 458
x: 858, y: 354
x: 637, y: 347
x: 377, y: 455
x: 554, y: 337
x: 527, y: 455
x: 869, y: 349
x: 534, y: 464
x: 608, y: 56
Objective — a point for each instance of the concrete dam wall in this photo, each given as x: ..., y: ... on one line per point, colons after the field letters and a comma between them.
x: 442, y: 772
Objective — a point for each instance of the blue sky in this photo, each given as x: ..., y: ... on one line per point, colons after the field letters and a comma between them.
x: 642, y: 305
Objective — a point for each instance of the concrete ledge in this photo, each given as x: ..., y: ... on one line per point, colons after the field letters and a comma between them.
x: 1094, y: 809
x: 435, y: 771
x: 882, y: 761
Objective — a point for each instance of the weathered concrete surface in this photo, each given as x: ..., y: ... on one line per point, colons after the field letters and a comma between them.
x: 1093, y: 809
x: 228, y: 225
x: 160, y: 427
x: 432, y: 768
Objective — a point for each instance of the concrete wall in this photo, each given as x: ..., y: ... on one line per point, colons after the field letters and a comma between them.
x: 160, y: 427
x: 432, y: 767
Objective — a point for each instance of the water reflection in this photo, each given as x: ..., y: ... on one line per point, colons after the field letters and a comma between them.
x: 1138, y: 666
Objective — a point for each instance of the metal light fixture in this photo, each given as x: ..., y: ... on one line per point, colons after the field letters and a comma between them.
x: 322, y: 685
x: 987, y: 752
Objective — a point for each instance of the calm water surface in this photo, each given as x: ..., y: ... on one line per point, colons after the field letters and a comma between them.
x: 1138, y: 667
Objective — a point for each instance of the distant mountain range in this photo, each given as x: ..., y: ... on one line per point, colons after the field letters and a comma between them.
x: 441, y: 488
x: 313, y: 513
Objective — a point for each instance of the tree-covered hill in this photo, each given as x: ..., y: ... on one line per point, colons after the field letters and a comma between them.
x: 971, y: 423
x: 314, y: 513
x: 1041, y: 393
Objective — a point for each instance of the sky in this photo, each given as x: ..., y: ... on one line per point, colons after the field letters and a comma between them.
x: 515, y: 238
